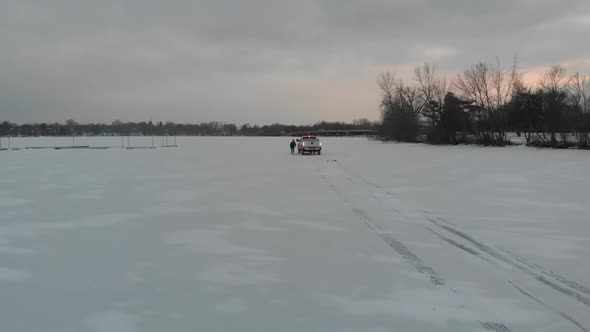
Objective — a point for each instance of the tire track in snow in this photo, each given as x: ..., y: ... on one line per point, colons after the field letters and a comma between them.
x: 572, y: 284
x: 562, y: 314
x: 414, y: 260
x: 461, y: 246
x: 336, y: 190
x: 396, y: 245
x: 354, y: 174
x: 364, y: 217
x: 478, y: 254
x: 411, y: 258
x: 555, y: 285
x: 354, y: 177
x: 492, y: 326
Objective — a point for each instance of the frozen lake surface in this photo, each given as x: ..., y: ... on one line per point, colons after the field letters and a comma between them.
x: 235, y: 234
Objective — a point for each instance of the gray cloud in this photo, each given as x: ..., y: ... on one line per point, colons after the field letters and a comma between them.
x: 259, y: 60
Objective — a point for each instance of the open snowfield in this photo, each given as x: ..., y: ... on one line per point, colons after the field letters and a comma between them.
x: 235, y: 234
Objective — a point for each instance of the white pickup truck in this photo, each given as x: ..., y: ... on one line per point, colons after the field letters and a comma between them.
x: 309, y: 144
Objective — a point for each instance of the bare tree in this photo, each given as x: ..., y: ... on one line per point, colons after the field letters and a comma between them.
x: 432, y: 90
x: 425, y: 75
x: 387, y: 82
x: 490, y: 99
x: 409, y: 97
x: 555, y: 85
x: 490, y: 87
x: 579, y: 94
x: 400, y: 107
x: 395, y: 90
x: 555, y: 79
x: 504, y: 80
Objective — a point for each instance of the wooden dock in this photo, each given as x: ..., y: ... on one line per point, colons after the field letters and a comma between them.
x: 72, y: 147
x: 86, y: 147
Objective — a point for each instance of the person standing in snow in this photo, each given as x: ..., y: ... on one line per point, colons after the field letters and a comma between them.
x: 293, y: 145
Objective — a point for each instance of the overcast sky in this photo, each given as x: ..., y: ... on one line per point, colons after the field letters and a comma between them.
x: 258, y: 61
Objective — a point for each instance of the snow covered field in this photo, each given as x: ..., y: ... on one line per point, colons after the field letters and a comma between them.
x: 235, y: 234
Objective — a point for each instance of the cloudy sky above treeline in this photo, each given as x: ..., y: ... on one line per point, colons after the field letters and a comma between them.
x: 259, y: 61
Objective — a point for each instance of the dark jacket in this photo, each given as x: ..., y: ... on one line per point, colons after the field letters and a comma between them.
x: 293, y: 144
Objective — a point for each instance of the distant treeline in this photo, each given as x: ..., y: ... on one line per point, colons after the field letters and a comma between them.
x: 485, y: 102
x: 116, y: 128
